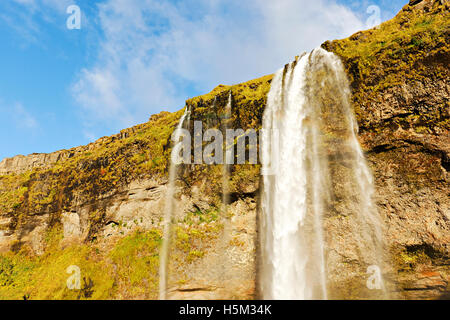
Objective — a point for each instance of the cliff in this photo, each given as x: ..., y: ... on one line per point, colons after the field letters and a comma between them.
x: 399, y: 74
x: 100, y: 206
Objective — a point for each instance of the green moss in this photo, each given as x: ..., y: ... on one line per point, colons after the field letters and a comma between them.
x: 46, y: 277
x: 250, y: 90
x: 409, y: 258
x: 50, y: 278
x: 201, y: 216
x: 137, y: 260
x: 194, y: 254
x: 15, y: 275
x: 249, y: 99
x: 13, y: 191
x: 395, y: 53
x: 193, y: 240
x: 128, y: 270
x: 248, y: 103
x: 141, y: 151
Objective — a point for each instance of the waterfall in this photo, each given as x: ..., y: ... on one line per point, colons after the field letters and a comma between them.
x: 168, y: 212
x: 314, y: 171
x: 227, y: 160
x: 226, y: 155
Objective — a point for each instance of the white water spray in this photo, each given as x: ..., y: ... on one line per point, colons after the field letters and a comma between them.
x: 225, y: 219
x: 226, y: 155
x: 168, y: 212
x: 315, y: 170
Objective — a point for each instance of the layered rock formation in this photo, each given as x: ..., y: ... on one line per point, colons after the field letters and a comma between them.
x: 100, y: 206
x: 399, y: 75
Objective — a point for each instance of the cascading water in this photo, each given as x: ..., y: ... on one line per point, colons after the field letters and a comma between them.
x: 168, y: 212
x: 226, y: 162
x: 313, y: 172
x: 225, y: 238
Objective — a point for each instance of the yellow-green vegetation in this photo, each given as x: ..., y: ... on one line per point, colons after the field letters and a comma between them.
x: 413, y: 257
x: 396, y: 53
x: 111, y: 162
x: 199, y: 216
x: 236, y: 242
x: 248, y: 102
x: 13, y: 189
x: 411, y: 47
x: 407, y: 259
x: 244, y: 175
x: 129, y: 270
x: 90, y: 171
x: 195, y: 234
x: 194, y: 240
x: 136, y: 258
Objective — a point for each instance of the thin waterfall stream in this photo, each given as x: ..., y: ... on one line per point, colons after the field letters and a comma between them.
x: 227, y: 160
x: 168, y: 213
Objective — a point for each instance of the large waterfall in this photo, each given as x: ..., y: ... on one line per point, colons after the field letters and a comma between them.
x: 314, y: 171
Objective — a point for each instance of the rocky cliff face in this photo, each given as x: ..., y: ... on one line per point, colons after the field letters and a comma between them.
x: 100, y: 206
x: 399, y: 75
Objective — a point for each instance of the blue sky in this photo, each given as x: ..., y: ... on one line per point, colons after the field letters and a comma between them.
x: 61, y: 88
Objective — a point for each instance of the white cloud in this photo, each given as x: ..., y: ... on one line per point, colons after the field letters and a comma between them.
x: 154, y: 51
x: 26, y: 2
x: 22, y: 117
x: 26, y: 16
x: 100, y: 85
x: 59, y: 5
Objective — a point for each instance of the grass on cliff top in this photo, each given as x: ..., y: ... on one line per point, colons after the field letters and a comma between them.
x: 388, y: 54
x: 106, y: 164
x: 251, y: 90
x: 143, y: 144
x: 112, y: 162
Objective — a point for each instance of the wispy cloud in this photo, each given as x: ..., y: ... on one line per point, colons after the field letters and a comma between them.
x: 155, y: 53
x: 25, y: 16
x: 22, y: 117
x: 17, y: 115
x: 21, y: 21
x: 59, y: 5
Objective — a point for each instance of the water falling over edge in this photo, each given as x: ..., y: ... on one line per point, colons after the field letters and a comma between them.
x: 168, y: 213
x: 318, y: 157
x: 224, y: 240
